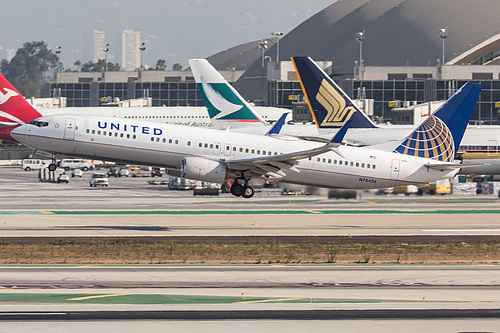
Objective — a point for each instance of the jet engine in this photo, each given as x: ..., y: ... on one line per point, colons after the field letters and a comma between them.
x: 199, y: 168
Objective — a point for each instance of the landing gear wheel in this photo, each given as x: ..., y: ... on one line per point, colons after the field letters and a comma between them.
x: 237, y: 189
x: 248, y: 192
x: 52, y: 167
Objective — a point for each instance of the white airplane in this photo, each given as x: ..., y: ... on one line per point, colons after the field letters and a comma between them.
x: 214, y: 156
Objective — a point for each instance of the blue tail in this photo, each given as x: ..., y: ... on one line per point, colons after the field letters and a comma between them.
x: 330, y: 106
x: 439, y: 136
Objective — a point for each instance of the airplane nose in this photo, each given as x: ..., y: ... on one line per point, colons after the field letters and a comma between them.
x: 18, y: 131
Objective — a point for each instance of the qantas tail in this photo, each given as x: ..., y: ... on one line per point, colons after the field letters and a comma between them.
x: 439, y: 136
x: 14, y: 109
x: 225, y: 105
x: 330, y: 105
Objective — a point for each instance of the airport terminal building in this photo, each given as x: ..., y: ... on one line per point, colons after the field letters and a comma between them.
x: 410, y: 52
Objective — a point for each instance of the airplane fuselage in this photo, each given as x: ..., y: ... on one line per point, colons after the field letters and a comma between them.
x: 166, y: 145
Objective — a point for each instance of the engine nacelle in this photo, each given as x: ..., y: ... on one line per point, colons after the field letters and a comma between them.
x: 199, y: 168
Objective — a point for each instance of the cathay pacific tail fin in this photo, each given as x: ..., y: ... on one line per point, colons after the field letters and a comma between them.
x: 330, y: 105
x: 225, y: 105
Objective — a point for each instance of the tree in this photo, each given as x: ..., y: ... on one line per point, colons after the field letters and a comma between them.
x: 161, y: 65
x: 27, y: 71
x: 177, y: 67
x: 78, y: 64
x: 99, y: 66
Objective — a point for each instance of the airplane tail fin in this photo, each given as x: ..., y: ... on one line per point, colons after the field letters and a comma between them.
x: 225, y: 105
x: 329, y: 105
x: 14, y: 109
x: 439, y: 136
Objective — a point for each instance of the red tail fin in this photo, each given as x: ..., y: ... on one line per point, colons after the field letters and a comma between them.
x: 14, y: 109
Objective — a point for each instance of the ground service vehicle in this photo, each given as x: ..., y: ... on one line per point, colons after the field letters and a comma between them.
x: 98, y: 179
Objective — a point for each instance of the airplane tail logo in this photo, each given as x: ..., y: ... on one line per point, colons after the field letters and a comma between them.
x: 440, y: 135
x: 330, y: 106
x: 14, y: 109
x: 223, y: 102
x: 338, y: 113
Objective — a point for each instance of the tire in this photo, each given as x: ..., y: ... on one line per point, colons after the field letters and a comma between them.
x: 91, y: 185
x: 237, y: 190
x: 85, y: 169
x: 27, y: 169
x: 52, y: 167
x: 248, y: 192
x: 66, y: 168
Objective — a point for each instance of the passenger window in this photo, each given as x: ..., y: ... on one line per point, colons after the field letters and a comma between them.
x: 352, y: 163
x: 329, y: 161
x: 241, y: 150
x: 362, y: 165
x: 170, y: 141
x: 128, y: 136
x: 88, y: 131
x: 318, y: 159
x: 93, y: 131
x: 324, y: 160
x: 200, y: 145
x: 157, y: 139
x: 368, y: 166
x: 246, y: 150
x: 152, y: 139
x: 189, y: 143
x: 176, y: 141
x: 253, y: 151
x: 133, y: 136
x: 164, y: 140
x: 357, y: 164
x: 110, y: 134
x: 121, y: 135
x: 104, y: 133
x: 373, y: 166
x: 98, y: 132
x: 211, y: 146
x: 258, y: 152
x: 116, y: 134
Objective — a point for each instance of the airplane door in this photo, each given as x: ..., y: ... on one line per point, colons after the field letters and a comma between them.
x: 227, y: 149
x: 492, y: 148
x: 216, y: 148
x: 69, y: 129
x: 395, y: 168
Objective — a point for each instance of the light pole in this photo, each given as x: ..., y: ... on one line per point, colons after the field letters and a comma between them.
x: 278, y: 35
x: 106, y: 49
x: 443, y: 33
x: 58, y: 52
x: 263, y: 46
x: 360, y: 36
x: 142, y: 48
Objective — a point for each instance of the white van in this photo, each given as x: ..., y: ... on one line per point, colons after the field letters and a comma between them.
x: 34, y: 164
x: 69, y: 164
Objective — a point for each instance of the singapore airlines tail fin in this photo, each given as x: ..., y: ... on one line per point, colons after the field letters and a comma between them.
x: 14, y: 109
x: 225, y: 105
x: 329, y: 105
x: 439, y: 136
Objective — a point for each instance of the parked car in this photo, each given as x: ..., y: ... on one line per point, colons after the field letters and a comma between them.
x: 63, y: 178
x: 77, y: 173
x: 98, y: 179
x: 33, y: 164
x: 69, y: 164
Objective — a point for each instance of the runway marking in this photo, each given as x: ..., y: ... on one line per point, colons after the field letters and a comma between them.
x: 460, y: 230
x: 272, y: 300
x: 314, y: 212
x: 256, y: 212
x: 96, y: 296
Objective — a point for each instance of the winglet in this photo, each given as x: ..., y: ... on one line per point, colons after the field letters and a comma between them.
x: 277, y: 126
x: 225, y: 105
x: 329, y: 105
x: 339, y: 136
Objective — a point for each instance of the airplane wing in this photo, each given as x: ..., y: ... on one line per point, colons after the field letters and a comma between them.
x: 274, y: 164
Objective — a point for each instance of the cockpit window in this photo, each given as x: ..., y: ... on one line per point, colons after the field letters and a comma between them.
x: 39, y: 123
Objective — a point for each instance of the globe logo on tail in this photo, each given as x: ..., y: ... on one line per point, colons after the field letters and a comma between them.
x: 432, y: 139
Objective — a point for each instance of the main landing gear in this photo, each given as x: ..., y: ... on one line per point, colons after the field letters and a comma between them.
x: 242, y: 190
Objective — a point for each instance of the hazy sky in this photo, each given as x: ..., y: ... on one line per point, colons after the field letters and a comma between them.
x: 174, y: 30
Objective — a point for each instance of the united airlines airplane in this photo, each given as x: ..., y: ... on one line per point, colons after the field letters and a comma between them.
x: 426, y: 155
